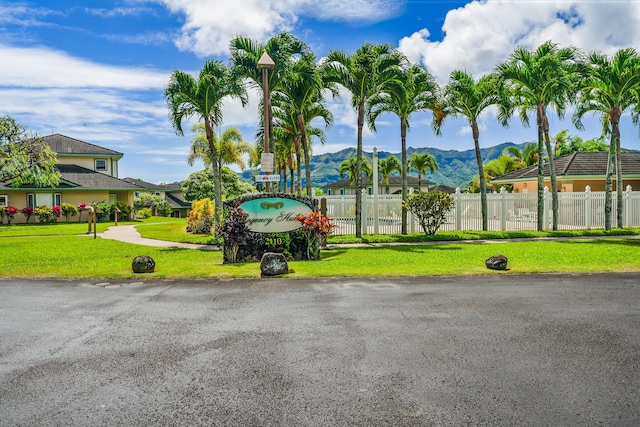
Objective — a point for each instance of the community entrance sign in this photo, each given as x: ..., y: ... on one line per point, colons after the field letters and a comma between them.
x: 274, y: 214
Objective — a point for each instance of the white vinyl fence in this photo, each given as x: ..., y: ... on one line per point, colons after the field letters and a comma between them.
x: 506, y: 211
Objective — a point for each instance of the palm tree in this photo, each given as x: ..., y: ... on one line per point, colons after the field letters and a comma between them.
x: 422, y: 162
x: 387, y: 167
x: 467, y: 98
x: 364, y: 74
x: 283, y: 50
x: 188, y: 96
x: 528, y: 154
x: 501, y: 166
x: 230, y: 147
x: 538, y: 80
x: 611, y: 86
x: 414, y: 90
x: 349, y: 168
x: 301, y: 97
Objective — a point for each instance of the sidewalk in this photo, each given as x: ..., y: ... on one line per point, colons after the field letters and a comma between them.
x: 129, y: 234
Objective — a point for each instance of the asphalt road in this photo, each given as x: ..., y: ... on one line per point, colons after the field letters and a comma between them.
x: 500, y: 350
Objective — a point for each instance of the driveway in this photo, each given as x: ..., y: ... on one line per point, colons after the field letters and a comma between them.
x: 510, y: 350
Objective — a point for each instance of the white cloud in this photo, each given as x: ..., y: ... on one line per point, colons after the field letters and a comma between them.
x: 211, y: 24
x: 481, y: 34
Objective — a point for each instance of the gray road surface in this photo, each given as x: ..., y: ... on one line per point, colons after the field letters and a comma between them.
x: 540, y: 350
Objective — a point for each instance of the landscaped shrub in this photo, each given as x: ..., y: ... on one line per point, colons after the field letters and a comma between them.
x: 82, y: 206
x: 201, y: 217
x: 163, y: 208
x: 44, y: 214
x: 27, y: 212
x: 69, y: 210
x: 315, y: 228
x: 234, y: 231
x: 430, y: 209
x: 10, y: 212
x: 2, y: 214
x: 157, y: 204
x: 125, y: 211
x: 56, y: 211
x: 144, y: 213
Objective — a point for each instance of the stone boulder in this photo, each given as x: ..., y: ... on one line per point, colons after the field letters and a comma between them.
x: 143, y: 264
x: 496, y: 262
x: 273, y: 264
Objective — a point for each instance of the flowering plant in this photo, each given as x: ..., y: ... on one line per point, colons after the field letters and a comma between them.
x: 27, y: 211
x: 315, y: 228
x: 56, y: 211
x: 234, y: 231
x: 82, y: 205
x: 10, y: 211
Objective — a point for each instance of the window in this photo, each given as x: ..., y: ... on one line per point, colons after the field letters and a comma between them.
x: 4, y: 200
x: 31, y: 200
x: 136, y: 194
x: 57, y: 199
x: 101, y: 164
x: 157, y: 193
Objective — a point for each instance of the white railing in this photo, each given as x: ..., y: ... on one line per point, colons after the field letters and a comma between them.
x: 506, y: 211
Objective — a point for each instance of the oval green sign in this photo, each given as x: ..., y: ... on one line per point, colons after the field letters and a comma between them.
x: 274, y: 214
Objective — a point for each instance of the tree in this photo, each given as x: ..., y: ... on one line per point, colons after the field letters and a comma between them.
x: 467, y: 98
x: 430, y: 209
x: 414, y: 90
x: 611, y: 86
x: 230, y: 147
x: 24, y: 157
x: 349, y: 168
x: 202, y: 97
x: 300, y: 99
x: 565, y: 144
x: 387, y: 167
x: 365, y: 74
x: 502, y: 166
x: 199, y: 185
x: 537, y: 80
x: 422, y: 162
x: 284, y: 49
x: 528, y: 154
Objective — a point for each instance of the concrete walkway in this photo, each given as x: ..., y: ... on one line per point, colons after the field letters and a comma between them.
x: 129, y: 234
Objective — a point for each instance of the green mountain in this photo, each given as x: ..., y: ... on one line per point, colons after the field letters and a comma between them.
x: 457, y: 168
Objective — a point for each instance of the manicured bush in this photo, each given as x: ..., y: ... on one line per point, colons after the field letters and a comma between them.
x: 27, y: 212
x: 430, y: 209
x: 69, y: 210
x: 201, y: 217
x: 44, y: 214
x: 144, y: 213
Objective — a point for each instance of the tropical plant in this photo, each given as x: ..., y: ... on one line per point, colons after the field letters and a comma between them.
x: 468, y: 98
x: 27, y: 212
x: 24, y: 157
x: 565, y: 144
x: 199, y: 185
x: 537, y: 80
x: 202, y: 96
x: 69, y: 210
x: 528, y: 154
x: 430, y: 209
x: 300, y: 95
x: 284, y: 49
x: 386, y: 168
x: 234, y: 231
x: 349, y: 168
x: 364, y: 74
x: 414, y: 90
x: 230, y: 147
x: 44, y: 214
x: 201, y: 217
x: 421, y: 163
x: 10, y: 212
x: 502, y: 166
x: 610, y: 87
x: 314, y: 227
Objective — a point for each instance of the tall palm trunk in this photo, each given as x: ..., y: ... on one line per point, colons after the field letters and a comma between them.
x: 403, y: 138
x: 298, y: 166
x: 307, y: 157
x: 359, y: 171
x: 483, y: 186
x: 540, y: 168
x: 619, y: 184
x: 291, y: 169
x: 552, y: 169
x: 217, y: 185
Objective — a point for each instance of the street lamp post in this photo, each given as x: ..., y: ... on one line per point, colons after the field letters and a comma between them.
x: 265, y: 63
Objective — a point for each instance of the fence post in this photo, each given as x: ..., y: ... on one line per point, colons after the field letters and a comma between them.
x: 545, y: 218
x: 363, y: 214
x: 587, y: 208
x: 503, y: 209
x: 457, y: 196
x: 627, y: 204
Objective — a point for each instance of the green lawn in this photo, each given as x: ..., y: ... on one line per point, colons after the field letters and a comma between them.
x: 66, y: 251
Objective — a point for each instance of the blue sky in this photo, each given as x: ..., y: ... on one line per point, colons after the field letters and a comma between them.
x: 96, y: 70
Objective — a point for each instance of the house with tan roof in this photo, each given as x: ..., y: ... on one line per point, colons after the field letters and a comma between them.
x: 576, y: 171
x: 88, y: 173
x: 171, y: 193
